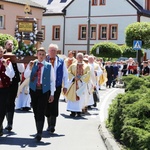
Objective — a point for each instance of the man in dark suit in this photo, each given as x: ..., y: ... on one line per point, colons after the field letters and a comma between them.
x: 145, y: 70
x: 115, y: 73
x: 124, y: 69
x: 110, y: 73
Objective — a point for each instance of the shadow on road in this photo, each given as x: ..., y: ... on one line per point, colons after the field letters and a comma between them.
x: 75, y: 118
x: 47, y: 134
x: 22, y: 111
x: 22, y: 142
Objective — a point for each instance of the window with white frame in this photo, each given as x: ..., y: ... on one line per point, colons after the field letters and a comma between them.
x: 1, y: 22
x: 102, y: 2
x: 93, y: 32
x: 1, y: 6
x: 103, y: 32
x: 113, y: 32
x: 94, y: 2
x: 82, y: 32
x: 56, y: 32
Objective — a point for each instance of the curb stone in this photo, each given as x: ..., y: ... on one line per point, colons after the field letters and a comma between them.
x: 109, y: 140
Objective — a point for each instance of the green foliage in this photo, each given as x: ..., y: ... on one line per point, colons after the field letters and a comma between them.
x: 138, y: 31
x: 136, y: 138
x: 135, y: 83
x: 129, y: 114
x: 129, y: 51
x: 5, y: 37
x: 114, y: 122
x: 106, y: 49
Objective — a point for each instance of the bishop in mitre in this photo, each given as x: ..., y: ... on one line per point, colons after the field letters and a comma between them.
x: 79, y: 76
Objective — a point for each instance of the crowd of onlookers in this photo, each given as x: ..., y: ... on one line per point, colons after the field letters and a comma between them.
x: 116, y: 69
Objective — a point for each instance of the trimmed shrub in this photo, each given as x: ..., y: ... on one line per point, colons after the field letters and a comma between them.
x: 106, y: 49
x: 129, y: 114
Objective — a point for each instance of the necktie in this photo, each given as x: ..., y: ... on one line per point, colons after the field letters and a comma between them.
x: 0, y: 63
x: 39, y: 73
x: 52, y: 60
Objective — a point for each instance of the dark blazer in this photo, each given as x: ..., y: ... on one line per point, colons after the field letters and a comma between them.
x: 110, y: 71
x: 115, y: 70
x: 146, y: 70
x: 124, y: 69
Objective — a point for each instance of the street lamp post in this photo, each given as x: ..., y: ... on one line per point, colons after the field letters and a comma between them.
x: 89, y: 22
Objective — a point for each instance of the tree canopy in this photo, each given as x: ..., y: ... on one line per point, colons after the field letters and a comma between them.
x: 129, y: 51
x: 138, y: 31
x: 106, y: 49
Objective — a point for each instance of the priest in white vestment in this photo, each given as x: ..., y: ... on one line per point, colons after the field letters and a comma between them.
x: 79, y: 76
x: 96, y: 71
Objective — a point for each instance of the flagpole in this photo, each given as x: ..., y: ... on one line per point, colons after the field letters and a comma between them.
x: 89, y: 22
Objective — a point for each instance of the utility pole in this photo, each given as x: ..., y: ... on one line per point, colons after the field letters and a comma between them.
x: 89, y: 22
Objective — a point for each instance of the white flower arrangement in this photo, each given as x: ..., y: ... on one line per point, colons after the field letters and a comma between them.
x: 24, y: 49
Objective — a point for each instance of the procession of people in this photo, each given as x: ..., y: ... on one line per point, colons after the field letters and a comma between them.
x: 39, y: 84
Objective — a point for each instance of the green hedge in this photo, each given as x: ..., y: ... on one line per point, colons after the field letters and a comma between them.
x: 129, y: 114
x: 106, y: 49
x: 5, y: 37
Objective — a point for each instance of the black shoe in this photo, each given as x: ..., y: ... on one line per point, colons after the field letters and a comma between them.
x: 89, y: 108
x: 48, y: 129
x: 52, y: 129
x: 78, y: 114
x: 26, y: 108
x: 94, y: 105
x: 8, y: 127
x: 38, y: 137
x: 1, y: 130
x: 72, y: 114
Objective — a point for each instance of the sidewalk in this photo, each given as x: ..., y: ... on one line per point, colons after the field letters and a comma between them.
x: 106, y: 96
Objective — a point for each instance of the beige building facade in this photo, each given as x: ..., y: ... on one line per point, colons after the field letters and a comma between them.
x: 11, y: 10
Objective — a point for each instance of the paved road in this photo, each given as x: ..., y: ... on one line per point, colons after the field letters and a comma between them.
x: 107, y: 95
x: 71, y: 134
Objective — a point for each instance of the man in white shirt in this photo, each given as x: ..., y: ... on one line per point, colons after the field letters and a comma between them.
x: 18, y: 69
x: 42, y: 87
x: 61, y: 76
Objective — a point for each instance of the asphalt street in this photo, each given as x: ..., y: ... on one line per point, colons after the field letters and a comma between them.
x: 71, y: 133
